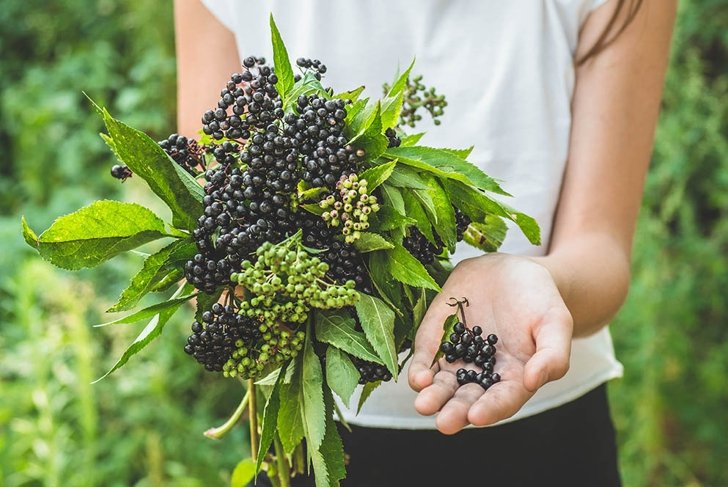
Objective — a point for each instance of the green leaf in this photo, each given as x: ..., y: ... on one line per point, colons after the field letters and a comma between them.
x: 243, y: 474
x: 328, y: 460
x: 270, y: 416
x: 445, y: 164
x: 487, y: 236
x: 308, y: 85
x: 341, y: 374
x: 351, y: 95
x: 339, y: 331
x: 405, y: 177
x: 313, y: 208
x: 461, y: 153
x: 427, y: 204
x: 371, y: 138
x: 392, y: 103
x: 388, y: 289
x: 312, y: 382
x: 155, y: 268
x: 205, y: 302
x: 393, y: 197
x: 96, y: 233
x: 447, y: 329
x: 290, y: 414
x: 360, y: 116
x: 282, y: 64
x: 366, y: 391
x: 477, y: 206
x: 28, y: 234
x: 369, y: 242
x: 414, y: 210
x: 411, y: 140
x: 419, y: 310
x: 177, y: 188
x: 150, y: 332
x: 376, y: 175
x: 150, y: 311
x: 408, y: 270
x: 377, y: 321
x: 446, y: 225
x: 387, y: 218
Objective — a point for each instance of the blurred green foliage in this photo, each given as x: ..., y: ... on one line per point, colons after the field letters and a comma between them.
x: 143, y: 426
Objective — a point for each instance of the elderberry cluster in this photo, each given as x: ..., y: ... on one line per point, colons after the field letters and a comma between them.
x: 394, y: 140
x: 319, y: 134
x: 249, y: 101
x: 471, y: 347
x: 418, y: 96
x: 217, y: 335
x: 371, y: 371
x: 426, y: 251
x: 313, y: 65
x: 185, y: 152
x: 350, y: 207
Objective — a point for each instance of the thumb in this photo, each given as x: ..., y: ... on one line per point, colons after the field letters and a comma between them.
x: 553, y: 350
x: 427, y: 344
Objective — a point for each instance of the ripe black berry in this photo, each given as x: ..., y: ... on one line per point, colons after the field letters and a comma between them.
x: 121, y: 172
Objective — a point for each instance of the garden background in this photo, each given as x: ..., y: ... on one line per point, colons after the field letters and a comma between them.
x: 142, y: 426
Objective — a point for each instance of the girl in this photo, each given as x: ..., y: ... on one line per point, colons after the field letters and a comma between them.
x: 560, y: 98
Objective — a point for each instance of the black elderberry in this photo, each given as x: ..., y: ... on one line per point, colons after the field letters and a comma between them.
x: 185, y: 152
x: 370, y: 371
x: 121, y: 172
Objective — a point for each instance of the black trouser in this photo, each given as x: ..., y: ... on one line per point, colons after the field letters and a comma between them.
x: 572, y: 445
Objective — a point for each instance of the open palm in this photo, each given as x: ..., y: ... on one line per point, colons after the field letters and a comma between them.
x: 515, y: 298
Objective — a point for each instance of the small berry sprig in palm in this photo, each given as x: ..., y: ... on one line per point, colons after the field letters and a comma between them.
x: 306, y: 224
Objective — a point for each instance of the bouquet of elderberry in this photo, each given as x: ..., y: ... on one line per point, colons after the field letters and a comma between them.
x: 310, y: 231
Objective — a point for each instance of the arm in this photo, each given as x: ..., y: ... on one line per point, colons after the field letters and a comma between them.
x: 206, y: 56
x: 537, y: 305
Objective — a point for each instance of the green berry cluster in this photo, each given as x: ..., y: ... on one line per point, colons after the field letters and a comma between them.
x: 277, y: 345
x: 417, y: 96
x: 351, y: 209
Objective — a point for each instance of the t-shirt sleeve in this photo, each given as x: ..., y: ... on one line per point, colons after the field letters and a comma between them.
x: 223, y: 11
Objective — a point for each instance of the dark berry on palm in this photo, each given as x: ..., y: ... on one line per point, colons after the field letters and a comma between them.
x: 492, y: 339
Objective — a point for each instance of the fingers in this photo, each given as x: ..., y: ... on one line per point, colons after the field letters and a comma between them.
x: 431, y: 399
x: 427, y: 343
x: 553, y: 350
x: 454, y: 414
x: 501, y: 401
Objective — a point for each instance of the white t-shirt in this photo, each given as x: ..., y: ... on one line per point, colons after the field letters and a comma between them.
x: 506, y: 68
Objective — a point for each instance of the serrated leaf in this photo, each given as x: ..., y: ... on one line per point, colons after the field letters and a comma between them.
x: 243, y: 473
x: 312, y: 382
x: 371, y: 138
x: 351, y: 95
x: 270, y: 416
x: 150, y: 311
x: 369, y: 241
x: 281, y: 62
x: 445, y: 164
x: 150, y: 332
x: 339, y: 331
x: 477, y: 206
x: 388, y: 289
x: 417, y: 213
x: 392, y: 103
x: 96, y: 233
x: 360, y: 117
x: 354, y: 112
x: 376, y: 175
x: 446, y: 225
x: 177, y: 188
x: 290, y: 415
x: 406, y: 177
x: 393, y: 198
x: 328, y: 460
x: 419, y: 310
x: 427, y: 204
x: 366, y: 391
x: 487, y: 236
x: 341, y: 374
x: 155, y: 268
x: 411, y: 139
x: 387, y: 218
x: 447, y: 329
x: 461, y: 153
x: 313, y: 208
x: 377, y: 321
x: 171, y: 278
x: 28, y: 234
x: 408, y: 270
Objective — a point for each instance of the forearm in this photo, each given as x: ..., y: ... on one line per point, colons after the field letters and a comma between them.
x: 592, y: 275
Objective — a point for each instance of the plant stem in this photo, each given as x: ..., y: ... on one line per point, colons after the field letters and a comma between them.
x: 220, y: 431
x: 284, y: 469
x: 253, y: 418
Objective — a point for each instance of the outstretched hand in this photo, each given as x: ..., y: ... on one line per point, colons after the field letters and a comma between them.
x: 515, y: 298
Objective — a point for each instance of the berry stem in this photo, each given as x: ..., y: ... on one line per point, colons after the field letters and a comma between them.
x: 284, y: 469
x: 253, y: 418
x: 220, y: 431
